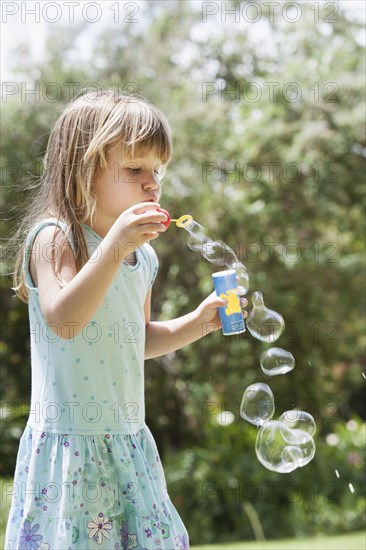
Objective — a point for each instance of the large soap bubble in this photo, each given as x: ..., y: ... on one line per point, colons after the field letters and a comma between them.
x: 218, y: 253
x: 276, y: 361
x: 197, y: 238
x: 257, y: 405
x: 299, y: 420
x: 291, y: 455
x: 263, y: 323
x: 281, y: 449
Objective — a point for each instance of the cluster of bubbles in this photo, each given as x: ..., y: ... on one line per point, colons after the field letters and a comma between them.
x: 282, y: 445
x: 287, y: 443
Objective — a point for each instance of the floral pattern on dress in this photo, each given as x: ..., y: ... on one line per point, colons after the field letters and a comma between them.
x: 99, y: 528
x: 28, y: 538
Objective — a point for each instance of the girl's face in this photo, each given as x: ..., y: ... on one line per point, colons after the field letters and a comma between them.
x: 126, y: 182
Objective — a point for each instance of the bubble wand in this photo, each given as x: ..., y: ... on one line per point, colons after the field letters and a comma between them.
x: 182, y: 221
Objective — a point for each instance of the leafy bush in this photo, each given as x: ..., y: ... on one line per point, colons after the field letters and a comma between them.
x: 224, y: 494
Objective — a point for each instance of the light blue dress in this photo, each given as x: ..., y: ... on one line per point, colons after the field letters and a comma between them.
x: 88, y: 474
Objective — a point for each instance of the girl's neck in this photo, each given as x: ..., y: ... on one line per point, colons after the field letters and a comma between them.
x: 100, y: 226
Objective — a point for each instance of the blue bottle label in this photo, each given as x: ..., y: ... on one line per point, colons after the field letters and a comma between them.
x: 231, y: 315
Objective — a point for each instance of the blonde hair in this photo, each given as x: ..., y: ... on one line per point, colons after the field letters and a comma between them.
x: 76, y: 152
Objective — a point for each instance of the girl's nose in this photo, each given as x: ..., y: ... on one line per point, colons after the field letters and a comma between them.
x: 151, y: 182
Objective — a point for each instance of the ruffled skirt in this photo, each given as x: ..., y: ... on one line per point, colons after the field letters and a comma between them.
x: 91, y: 491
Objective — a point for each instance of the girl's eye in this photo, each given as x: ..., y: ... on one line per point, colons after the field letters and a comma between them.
x: 134, y: 170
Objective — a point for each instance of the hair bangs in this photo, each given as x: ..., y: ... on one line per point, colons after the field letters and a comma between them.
x: 142, y: 128
x: 142, y: 148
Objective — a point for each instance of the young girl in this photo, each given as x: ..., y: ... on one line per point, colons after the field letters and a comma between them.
x: 88, y: 473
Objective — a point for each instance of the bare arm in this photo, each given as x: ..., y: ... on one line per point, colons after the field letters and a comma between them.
x: 71, y: 307
x: 167, y: 336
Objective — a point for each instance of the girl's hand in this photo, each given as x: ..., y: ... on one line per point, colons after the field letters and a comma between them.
x: 138, y: 224
x: 209, y: 314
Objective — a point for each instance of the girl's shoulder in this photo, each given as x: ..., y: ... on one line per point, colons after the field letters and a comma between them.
x: 46, y: 240
x: 49, y: 226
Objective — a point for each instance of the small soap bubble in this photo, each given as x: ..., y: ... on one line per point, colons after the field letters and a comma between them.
x: 281, y: 449
x: 257, y: 405
x: 241, y: 273
x: 337, y: 473
x: 299, y: 420
x: 276, y: 361
x: 263, y: 323
x: 351, y: 488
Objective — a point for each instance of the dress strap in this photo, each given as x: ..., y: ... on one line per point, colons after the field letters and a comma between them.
x: 29, y: 245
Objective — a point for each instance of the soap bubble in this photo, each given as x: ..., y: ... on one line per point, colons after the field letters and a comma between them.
x: 300, y: 420
x: 257, y: 405
x: 218, y: 253
x: 197, y: 237
x: 301, y: 439
x: 276, y: 361
x: 263, y: 323
x: 291, y: 454
x: 241, y: 273
x: 281, y: 449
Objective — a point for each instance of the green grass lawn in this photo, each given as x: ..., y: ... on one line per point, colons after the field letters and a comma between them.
x: 354, y: 541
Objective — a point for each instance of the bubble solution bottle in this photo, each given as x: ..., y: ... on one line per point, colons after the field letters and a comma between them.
x: 231, y: 315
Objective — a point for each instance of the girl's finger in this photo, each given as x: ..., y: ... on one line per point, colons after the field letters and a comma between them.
x: 153, y: 227
x: 218, y: 302
x: 142, y: 207
x: 241, y: 291
x: 152, y: 216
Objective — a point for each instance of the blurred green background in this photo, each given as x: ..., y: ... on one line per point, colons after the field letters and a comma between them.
x: 268, y: 121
